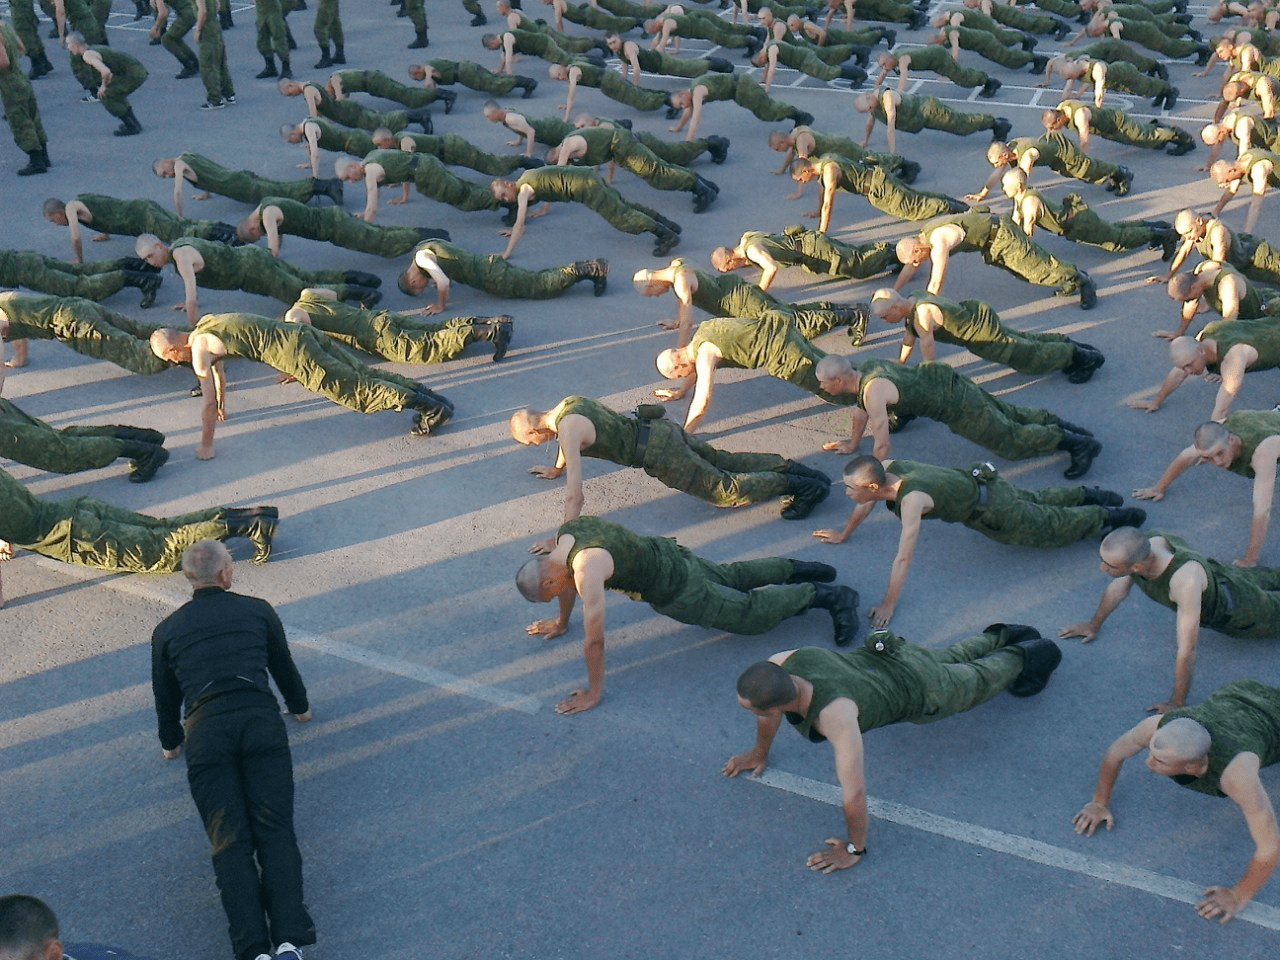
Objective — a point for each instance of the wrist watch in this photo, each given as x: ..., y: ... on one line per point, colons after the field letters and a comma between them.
x: 852, y: 849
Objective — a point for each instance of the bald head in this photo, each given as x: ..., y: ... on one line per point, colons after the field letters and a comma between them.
x: 832, y: 367
x: 766, y: 685
x: 1184, y: 350
x: 1209, y: 434
x: 1013, y: 182
x: 1125, y: 546
x: 1187, y: 222
x: 1181, y: 739
x: 529, y: 578
x: 887, y: 303
x: 865, y: 471
x: 674, y: 364
x: 1182, y: 287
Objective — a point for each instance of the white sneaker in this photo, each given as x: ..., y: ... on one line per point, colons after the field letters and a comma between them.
x: 287, y: 951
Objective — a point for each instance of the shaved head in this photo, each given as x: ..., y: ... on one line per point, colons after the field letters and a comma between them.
x: 1182, y: 739
x: 1125, y: 546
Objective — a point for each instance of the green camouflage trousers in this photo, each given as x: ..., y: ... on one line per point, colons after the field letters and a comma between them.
x: 88, y: 328
x: 1037, y: 518
x: 25, y: 439
x: 727, y: 596
x: 388, y: 335
x: 685, y: 463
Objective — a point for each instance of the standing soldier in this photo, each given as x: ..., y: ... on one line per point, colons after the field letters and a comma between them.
x: 184, y: 18
x: 20, y: 108
x: 24, y: 25
x: 329, y: 28
x: 212, y: 54
x: 272, y: 39
x: 113, y: 74
x: 416, y: 11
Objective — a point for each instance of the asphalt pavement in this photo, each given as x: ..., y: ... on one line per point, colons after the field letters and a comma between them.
x: 443, y: 808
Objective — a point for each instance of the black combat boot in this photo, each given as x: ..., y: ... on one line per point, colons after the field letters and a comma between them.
x: 35, y: 164
x: 718, y: 148
x: 1085, y: 361
x: 434, y: 412
x: 1124, y: 517
x: 269, y: 70
x: 420, y: 41
x: 361, y: 279
x: 1082, y: 450
x: 146, y: 459
x: 1040, y: 657
x: 138, y: 433
x: 704, y: 193
x: 842, y: 603
x: 497, y: 330
x: 325, y: 60
x: 597, y: 271
x: 807, y: 571
x: 667, y: 239
x: 148, y: 283
x: 422, y: 117
x: 255, y: 523
x: 190, y: 68
x: 855, y: 75
x: 40, y: 65
x: 528, y: 85
x: 331, y: 188
x: 339, y: 54
x: 802, y: 495
x: 129, y: 125
x: 1097, y: 497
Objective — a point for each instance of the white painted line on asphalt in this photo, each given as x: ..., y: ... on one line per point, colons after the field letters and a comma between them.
x: 414, y: 671
x: 1022, y: 847
x: 137, y: 587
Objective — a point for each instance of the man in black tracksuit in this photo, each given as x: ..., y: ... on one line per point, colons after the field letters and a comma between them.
x: 213, y: 656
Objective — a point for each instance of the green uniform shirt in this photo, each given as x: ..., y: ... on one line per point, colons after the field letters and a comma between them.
x: 1262, y: 333
x: 615, y: 434
x: 651, y: 569
x: 1251, y: 306
x: 954, y: 492
x: 977, y: 227
x: 1252, y: 427
x: 925, y: 390
x: 1242, y: 717
x: 884, y: 687
x: 1233, y: 601
x: 223, y: 268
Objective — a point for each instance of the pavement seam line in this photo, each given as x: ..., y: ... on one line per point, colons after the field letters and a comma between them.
x: 1024, y: 848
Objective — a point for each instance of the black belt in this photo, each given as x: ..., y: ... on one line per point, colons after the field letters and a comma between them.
x: 642, y: 442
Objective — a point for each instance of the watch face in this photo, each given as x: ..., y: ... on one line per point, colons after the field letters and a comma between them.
x: 850, y: 848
